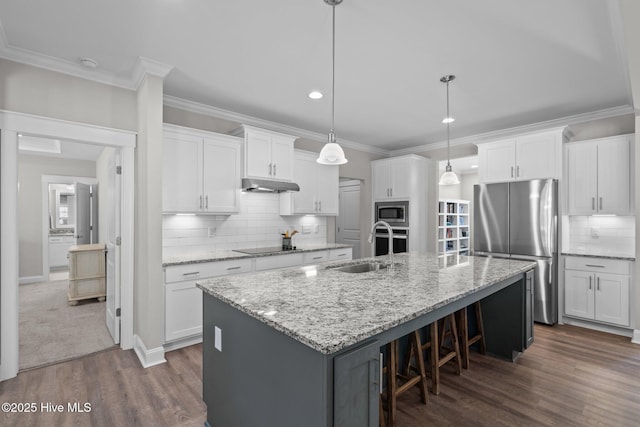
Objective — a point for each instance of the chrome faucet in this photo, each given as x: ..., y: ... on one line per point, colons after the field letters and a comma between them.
x: 390, y: 236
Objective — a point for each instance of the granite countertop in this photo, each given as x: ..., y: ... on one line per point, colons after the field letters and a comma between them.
x: 223, y: 255
x: 328, y: 310
x: 593, y: 254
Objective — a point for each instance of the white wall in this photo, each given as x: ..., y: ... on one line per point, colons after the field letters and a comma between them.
x: 257, y: 225
x: 30, y: 209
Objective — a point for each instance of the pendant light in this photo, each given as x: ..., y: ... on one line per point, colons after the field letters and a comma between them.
x: 448, y: 177
x: 332, y: 153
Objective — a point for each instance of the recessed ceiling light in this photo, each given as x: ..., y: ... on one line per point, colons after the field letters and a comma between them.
x: 448, y: 120
x: 88, y: 62
x: 474, y: 166
x: 315, y: 95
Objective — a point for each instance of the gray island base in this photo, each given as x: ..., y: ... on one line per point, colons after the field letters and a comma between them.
x: 301, y: 347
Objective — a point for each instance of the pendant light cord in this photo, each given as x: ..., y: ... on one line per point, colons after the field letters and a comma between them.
x: 448, y: 121
x: 332, y: 137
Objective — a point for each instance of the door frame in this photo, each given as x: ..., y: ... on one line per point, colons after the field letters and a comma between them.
x: 46, y: 180
x: 11, y: 124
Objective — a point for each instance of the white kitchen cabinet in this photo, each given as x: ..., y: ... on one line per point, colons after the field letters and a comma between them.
x: 268, y: 155
x: 275, y: 262
x: 599, y: 176
x: 183, y: 299
x: 597, y: 289
x: 319, y: 188
x: 341, y: 254
x: 521, y: 158
x: 394, y: 178
x: 59, y: 249
x: 201, y: 172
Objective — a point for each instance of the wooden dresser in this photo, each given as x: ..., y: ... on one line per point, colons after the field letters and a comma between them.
x: 86, y: 273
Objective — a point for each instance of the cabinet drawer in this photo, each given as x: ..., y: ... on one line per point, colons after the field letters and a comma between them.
x: 278, y: 261
x: 69, y: 240
x: 344, y: 254
x: 315, y: 257
x: 598, y: 265
x: 206, y: 269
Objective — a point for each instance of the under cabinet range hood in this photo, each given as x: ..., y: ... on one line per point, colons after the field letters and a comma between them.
x: 268, y: 186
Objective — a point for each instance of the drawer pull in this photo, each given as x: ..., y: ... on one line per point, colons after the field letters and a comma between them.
x: 342, y: 254
x: 233, y: 268
x: 317, y: 257
x: 594, y: 265
x: 191, y: 274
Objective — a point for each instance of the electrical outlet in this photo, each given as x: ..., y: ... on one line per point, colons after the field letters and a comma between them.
x: 316, y: 228
x: 217, y: 339
x: 211, y: 232
x: 595, y: 232
x: 306, y: 229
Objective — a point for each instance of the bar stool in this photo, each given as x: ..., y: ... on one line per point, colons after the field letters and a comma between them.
x: 438, y: 332
x: 465, y: 340
x: 400, y: 382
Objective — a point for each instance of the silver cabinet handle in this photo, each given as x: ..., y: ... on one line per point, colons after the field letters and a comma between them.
x: 270, y: 168
x: 598, y: 283
x: 590, y: 279
x: 392, y: 192
x: 511, y: 171
x: 233, y: 268
x: 317, y: 257
x: 274, y: 169
x: 593, y: 203
x: 320, y: 206
x: 200, y: 202
x: 342, y: 254
x: 206, y: 202
x: 594, y: 265
x: 193, y: 273
x: 600, y: 203
x: 517, y: 171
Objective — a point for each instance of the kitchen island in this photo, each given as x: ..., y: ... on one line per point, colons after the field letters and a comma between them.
x: 302, y: 346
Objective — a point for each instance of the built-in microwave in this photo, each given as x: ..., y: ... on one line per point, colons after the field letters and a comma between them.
x: 395, y: 213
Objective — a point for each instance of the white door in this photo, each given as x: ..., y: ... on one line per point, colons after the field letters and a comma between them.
x: 327, y: 184
x: 613, y: 177
x: 113, y: 249
x: 496, y: 161
x: 381, y: 185
x: 282, y: 158
x: 612, y: 298
x: 536, y: 157
x: 221, y: 175
x: 258, y: 156
x: 182, y: 174
x: 582, y: 177
x: 348, y: 220
x: 401, y: 178
x: 579, y: 289
x: 83, y: 214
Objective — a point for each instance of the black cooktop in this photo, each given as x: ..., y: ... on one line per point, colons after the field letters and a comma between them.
x: 257, y: 251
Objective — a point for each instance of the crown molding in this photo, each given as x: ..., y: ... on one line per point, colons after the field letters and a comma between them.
x: 519, y: 130
x: 208, y: 110
x: 146, y: 66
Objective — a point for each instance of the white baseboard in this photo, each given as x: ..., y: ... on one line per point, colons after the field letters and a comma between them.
x: 148, y: 358
x: 30, y: 279
x: 625, y: 332
x: 636, y: 336
x: 186, y: 342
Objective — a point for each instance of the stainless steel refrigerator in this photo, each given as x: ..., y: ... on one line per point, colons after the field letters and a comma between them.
x: 519, y: 220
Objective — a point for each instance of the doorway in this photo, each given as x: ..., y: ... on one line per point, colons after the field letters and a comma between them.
x: 348, y: 220
x: 11, y: 126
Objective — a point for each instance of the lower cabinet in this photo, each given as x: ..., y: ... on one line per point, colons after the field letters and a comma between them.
x: 59, y: 249
x: 597, y: 289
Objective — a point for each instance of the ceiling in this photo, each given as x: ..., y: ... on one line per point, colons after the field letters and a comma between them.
x: 517, y: 62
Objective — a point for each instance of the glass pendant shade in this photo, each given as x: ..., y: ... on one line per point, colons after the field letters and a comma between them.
x: 449, y: 178
x: 331, y: 154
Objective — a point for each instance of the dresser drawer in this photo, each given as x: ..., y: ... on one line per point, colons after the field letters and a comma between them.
x: 603, y: 265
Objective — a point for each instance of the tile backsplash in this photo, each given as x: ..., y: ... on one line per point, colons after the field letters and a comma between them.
x: 602, y: 234
x: 258, y: 224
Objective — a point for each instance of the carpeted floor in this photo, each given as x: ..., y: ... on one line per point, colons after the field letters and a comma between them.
x: 52, y: 331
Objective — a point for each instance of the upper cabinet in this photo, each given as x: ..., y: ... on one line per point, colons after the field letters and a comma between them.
x: 531, y: 156
x: 599, y: 174
x: 201, y: 171
x: 268, y: 155
x: 319, y: 188
x: 393, y: 178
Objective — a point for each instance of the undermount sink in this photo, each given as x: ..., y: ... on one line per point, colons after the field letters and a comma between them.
x: 363, y: 267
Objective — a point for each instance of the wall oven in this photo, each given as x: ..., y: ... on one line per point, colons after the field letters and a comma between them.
x: 400, y: 241
x: 394, y: 213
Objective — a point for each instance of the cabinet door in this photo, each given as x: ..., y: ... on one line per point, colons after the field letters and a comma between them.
x: 613, y: 177
x: 356, y: 387
x: 612, y: 299
x: 579, y: 294
x: 183, y: 310
x: 402, y: 178
x: 181, y: 174
x: 582, y: 177
x: 496, y: 161
x: 380, y: 171
x: 258, y: 155
x: 221, y: 175
x: 328, y: 189
x: 304, y: 201
x: 282, y: 158
x: 538, y: 157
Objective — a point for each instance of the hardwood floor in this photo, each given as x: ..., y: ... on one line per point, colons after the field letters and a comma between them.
x: 569, y: 377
